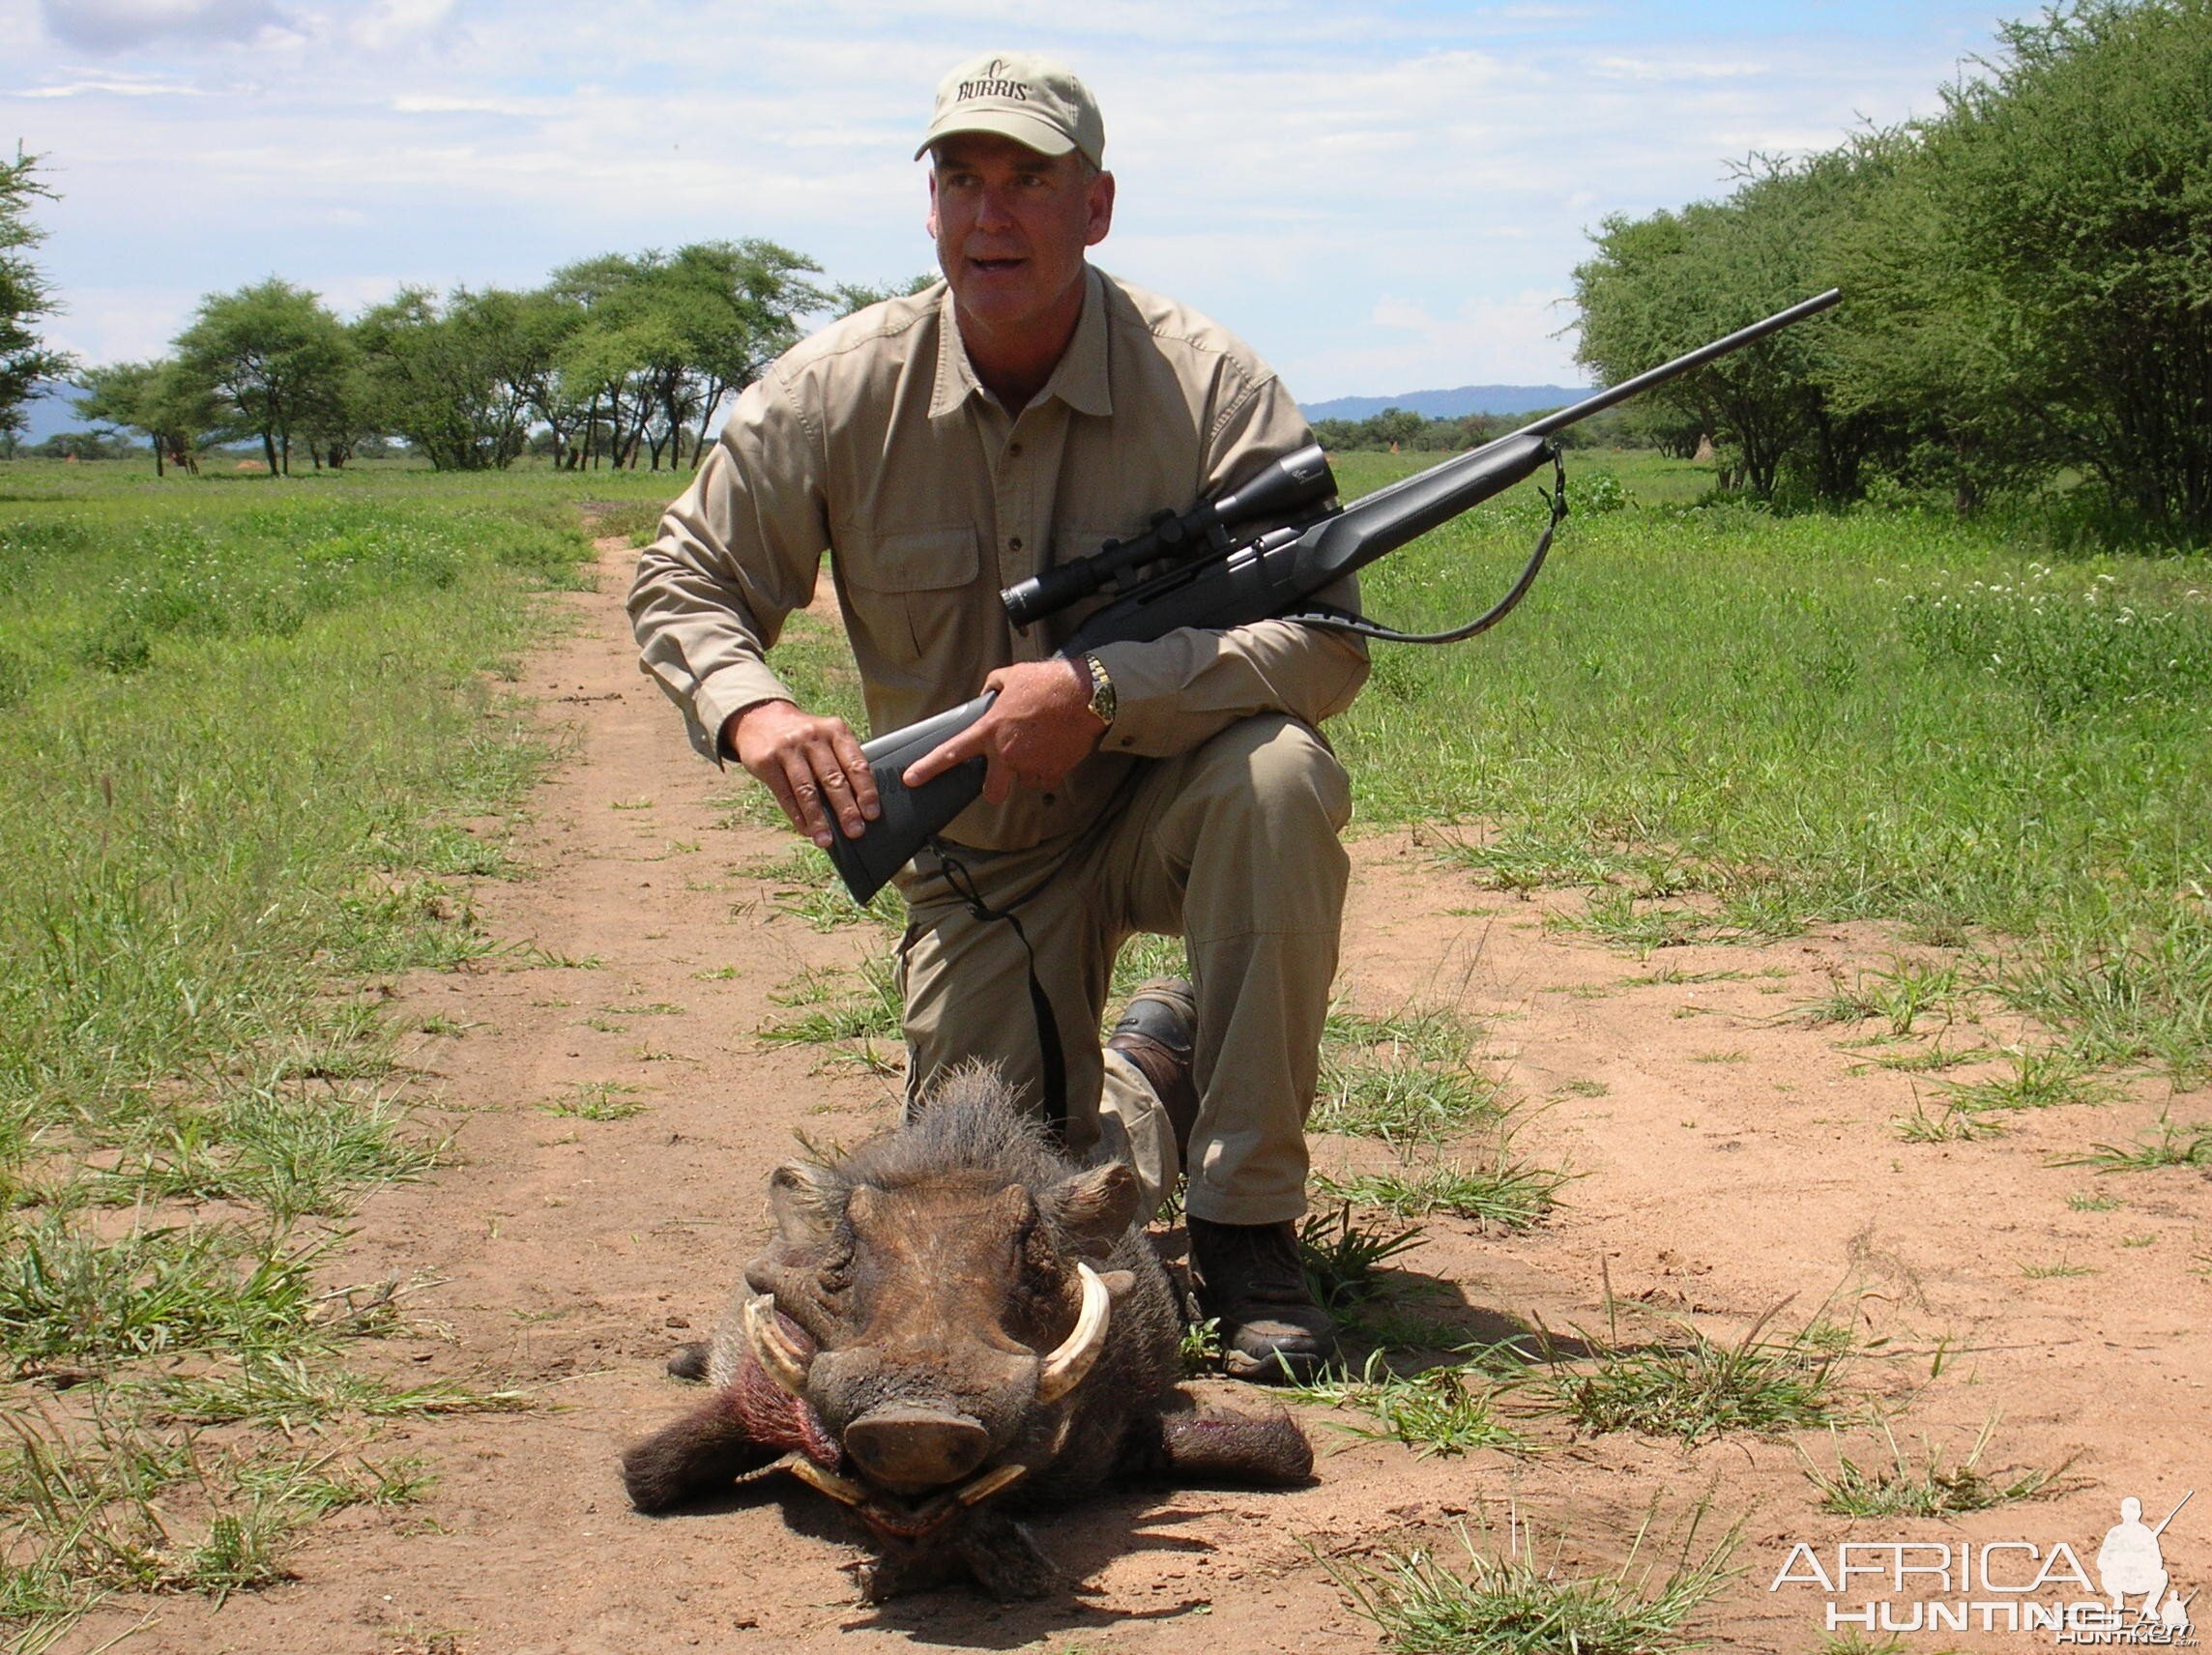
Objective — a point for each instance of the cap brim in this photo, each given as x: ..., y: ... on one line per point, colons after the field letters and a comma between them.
x: 1027, y: 130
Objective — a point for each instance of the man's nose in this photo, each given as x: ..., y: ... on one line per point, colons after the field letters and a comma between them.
x: 994, y: 207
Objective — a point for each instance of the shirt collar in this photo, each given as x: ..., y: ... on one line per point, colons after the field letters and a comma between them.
x: 1079, y: 379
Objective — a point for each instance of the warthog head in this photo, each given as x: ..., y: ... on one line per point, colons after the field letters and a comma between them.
x: 936, y: 1314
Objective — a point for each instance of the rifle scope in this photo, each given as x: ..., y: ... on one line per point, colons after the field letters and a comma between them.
x: 1278, y: 490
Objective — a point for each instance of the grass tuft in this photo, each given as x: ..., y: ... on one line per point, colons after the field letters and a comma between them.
x: 1507, y: 1191
x: 2168, y: 1145
x: 1926, y: 1487
x: 1511, y: 1605
x: 1340, y: 1257
x: 595, y: 1100
x: 1693, y: 1388
x: 2042, y: 1079
x: 1445, y: 1409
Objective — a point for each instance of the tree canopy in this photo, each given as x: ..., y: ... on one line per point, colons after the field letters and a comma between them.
x: 24, y: 293
x: 2027, y: 283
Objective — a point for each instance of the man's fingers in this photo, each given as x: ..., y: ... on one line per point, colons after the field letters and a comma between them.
x: 837, y: 787
x: 857, y: 771
x: 975, y: 738
x: 804, y: 806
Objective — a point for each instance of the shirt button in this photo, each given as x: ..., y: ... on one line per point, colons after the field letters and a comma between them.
x: 1013, y: 450
x: 1014, y: 544
x: 1048, y: 798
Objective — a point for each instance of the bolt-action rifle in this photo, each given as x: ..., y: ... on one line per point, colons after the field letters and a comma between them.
x: 1216, y: 566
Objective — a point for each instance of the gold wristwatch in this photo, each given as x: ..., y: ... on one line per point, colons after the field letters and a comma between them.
x: 1102, y: 698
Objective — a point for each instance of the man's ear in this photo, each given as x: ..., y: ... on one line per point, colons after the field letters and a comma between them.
x: 1101, y: 204
x: 930, y: 224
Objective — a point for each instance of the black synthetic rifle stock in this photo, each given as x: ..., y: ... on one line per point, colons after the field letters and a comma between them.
x: 1219, y: 580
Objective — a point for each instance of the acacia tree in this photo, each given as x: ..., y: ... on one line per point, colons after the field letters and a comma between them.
x: 24, y: 294
x: 280, y: 361
x: 453, y: 379
x: 175, y: 413
x: 2073, y: 185
x: 662, y: 338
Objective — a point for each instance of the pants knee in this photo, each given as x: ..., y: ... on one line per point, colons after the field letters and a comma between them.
x: 1287, y: 782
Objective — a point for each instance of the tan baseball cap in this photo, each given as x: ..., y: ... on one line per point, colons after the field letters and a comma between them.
x: 1021, y: 95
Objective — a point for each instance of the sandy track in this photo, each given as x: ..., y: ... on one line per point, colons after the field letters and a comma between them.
x: 1731, y: 1158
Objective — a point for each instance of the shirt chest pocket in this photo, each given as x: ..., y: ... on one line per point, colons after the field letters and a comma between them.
x: 908, y: 590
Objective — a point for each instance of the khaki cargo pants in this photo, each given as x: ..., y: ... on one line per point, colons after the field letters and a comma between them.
x: 1232, y: 846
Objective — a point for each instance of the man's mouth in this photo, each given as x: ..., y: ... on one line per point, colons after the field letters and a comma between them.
x: 994, y: 265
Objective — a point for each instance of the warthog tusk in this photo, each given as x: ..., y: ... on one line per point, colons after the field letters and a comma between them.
x: 1063, y: 1370
x: 990, y: 1483
x: 829, y: 1482
x: 782, y: 1360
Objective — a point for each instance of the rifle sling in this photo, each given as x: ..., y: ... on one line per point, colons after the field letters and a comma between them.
x: 1052, y: 1059
x: 1338, y: 620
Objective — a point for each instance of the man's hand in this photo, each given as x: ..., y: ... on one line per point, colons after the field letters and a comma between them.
x: 1040, y: 728
x: 806, y: 761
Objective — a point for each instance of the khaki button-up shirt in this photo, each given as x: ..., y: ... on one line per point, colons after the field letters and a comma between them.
x: 875, y: 442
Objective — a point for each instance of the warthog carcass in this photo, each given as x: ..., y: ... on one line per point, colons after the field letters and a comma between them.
x: 949, y: 1323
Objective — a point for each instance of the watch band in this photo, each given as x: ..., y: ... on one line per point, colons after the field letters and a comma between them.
x: 1103, y: 701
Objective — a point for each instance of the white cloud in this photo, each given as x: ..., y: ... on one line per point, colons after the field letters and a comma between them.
x: 111, y: 86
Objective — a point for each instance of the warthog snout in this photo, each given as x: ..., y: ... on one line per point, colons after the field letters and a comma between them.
x: 912, y: 1449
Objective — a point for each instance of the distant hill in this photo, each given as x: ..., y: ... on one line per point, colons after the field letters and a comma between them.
x: 51, y: 410
x: 1450, y: 404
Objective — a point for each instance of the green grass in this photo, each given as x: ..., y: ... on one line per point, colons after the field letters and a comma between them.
x: 2166, y: 1146
x: 1405, y: 1078
x: 829, y: 1008
x: 1691, y: 1388
x: 1821, y: 718
x: 805, y: 886
x: 250, y: 732
x: 1922, y: 1485
x: 1502, y: 1189
x: 1340, y: 1257
x: 1509, y: 1604
x: 1445, y: 1409
x: 595, y: 1100
x: 2039, y: 1079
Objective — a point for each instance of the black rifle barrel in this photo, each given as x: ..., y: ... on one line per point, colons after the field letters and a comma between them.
x: 1698, y: 358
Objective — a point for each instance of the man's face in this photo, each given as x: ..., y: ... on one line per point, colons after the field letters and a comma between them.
x: 1011, y: 225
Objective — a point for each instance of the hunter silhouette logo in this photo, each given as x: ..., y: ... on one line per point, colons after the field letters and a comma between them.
x: 1893, y: 1586
x: 2131, y: 1563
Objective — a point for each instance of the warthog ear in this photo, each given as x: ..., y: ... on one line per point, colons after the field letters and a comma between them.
x: 1097, y: 1208
x: 805, y: 1200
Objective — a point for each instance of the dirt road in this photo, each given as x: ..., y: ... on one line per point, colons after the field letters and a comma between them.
x: 617, y: 1116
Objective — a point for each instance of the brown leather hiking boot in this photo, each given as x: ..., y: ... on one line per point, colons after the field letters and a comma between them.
x: 1248, y: 1278
x: 1156, y: 1032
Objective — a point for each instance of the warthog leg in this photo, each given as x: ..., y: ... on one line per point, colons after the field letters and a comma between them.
x: 1200, y: 1441
x: 745, y: 1425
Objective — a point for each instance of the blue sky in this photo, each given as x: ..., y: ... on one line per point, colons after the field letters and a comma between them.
x: 1381, y: 196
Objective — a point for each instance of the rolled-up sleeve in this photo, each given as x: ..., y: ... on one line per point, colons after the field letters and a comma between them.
x: 737, y: 553
x: 1178, y: 690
